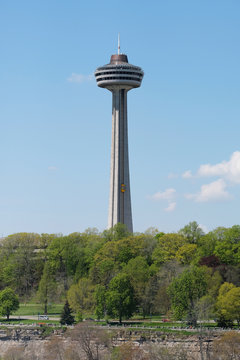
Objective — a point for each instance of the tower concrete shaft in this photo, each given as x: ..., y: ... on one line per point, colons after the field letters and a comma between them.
x: 119, y: 77
x: 120, y: 210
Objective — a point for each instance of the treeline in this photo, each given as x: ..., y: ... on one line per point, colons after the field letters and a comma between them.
x: 186, y: 275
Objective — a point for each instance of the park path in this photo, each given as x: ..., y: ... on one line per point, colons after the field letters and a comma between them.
x: 33, y: 317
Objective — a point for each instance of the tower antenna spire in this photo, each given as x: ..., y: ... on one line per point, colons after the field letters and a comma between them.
x: 118, y: 43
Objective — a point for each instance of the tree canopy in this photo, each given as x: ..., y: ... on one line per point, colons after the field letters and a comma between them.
x: 8, y: 302
x: 185, y: 291
x: 149, y: 273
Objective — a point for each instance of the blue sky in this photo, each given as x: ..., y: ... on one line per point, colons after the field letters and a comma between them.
x: 56, y: 123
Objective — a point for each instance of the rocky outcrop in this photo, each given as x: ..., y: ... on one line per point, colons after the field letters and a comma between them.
x: 36, y: 340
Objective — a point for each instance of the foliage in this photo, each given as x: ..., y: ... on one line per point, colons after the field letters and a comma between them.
x: 109, y: 260
x: 214, y: 281
x: 46, y: 289
x: 117, y: 232
x: 210, y: 261
x: 8, y: 302
x: 227, y: 249
x: 167, y: 247
x: 158, y: 292
x: 231, y: 273
x: 66, y: 316
x: 205, y: 307
x: 206, y: 245
x: 120, y: 301
x: 81, y: 266
x: 79, y: 317
x: 21, y: 264
x: 100, y: 298
x: 81, y: 296
x: 138, y: 271
x: 185, y: 253
x: 193, y: 232
x: 228, y: 303
x: 185, y: 291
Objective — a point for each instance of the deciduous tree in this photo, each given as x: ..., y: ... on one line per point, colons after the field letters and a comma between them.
x: 120, y: 301
x: 228, y: 302
x: 139, y: 273
x: 81, y: 296
x: 167, y: 247
x: 185, y: 291
x: 47, y: 288
x: 8, y: 302
x: 192, y: 231
x: 186, y: 253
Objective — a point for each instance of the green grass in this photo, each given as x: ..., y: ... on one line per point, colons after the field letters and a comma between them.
x: 35, y: 309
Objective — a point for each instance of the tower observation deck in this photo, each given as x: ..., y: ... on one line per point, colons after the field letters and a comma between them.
x: 119, y: 77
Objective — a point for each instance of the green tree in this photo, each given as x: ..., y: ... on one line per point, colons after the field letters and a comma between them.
x: 186, y: 253
x: 225, y: 288
x: 214, y: 282
x: 167, y: 247
x: 228, y: 302
x: 22, y: 267
x: 192, y: 231
x: 232, y: 274
x: 120, y: 301
x: 160, y: 283
x: 66, y: 315
x: 47, y: 288
x: 69, y: 258
x: 117, y: 232
x: 63, y: 257
x: 87, y: 244
x: 207, y: 243
x: 227, y: 247
x: 110, y: 258
x: 205, y: 307
x: 8, y: 302
x: 139, y: 273
x: 185, y: 291
x: 81, y: 296
x: 228, y: 252
x: 100, y: 298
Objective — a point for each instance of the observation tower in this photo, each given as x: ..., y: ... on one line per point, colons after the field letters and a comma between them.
x: 119, y: 77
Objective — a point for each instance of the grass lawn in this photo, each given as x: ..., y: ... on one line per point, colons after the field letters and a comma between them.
x: 35, y: 309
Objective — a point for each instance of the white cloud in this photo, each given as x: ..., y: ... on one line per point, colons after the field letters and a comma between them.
x: 80, y: 78
x: 214, y: 191
x: 168, y: 194
x: 171, y: 207
x: 187, y: 174
x: 227, y: 169
x: 204, y: 228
